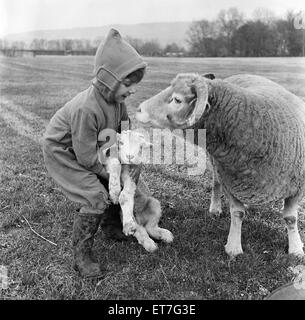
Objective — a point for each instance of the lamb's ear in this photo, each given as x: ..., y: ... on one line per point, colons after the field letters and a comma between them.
x: 210, y: 76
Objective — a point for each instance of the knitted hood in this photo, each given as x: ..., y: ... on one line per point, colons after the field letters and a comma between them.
x: 114, y: 60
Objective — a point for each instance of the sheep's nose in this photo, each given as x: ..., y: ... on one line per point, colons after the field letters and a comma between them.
x: 130, y: 157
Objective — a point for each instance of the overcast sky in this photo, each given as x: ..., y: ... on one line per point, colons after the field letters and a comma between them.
x: 26, y: 15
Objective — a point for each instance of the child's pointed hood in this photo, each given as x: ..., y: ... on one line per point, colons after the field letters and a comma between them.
x: 114, y: 60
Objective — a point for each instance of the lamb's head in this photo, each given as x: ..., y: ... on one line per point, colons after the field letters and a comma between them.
x: 130, y: 145
x: 180, y: 105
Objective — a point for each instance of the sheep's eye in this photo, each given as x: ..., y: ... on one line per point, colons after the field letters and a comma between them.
x: 178, y: 101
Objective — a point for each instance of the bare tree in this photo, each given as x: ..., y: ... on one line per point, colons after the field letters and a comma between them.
x: 151, y: 48
x: 136, y: 43
x: 294, y: 37
x: 199, y: 36
x: 264, y: 15
x: 39, y: 44
x: 229, y: 21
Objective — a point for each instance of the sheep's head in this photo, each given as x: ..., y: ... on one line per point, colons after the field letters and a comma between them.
x: 180, y: 105
x: 130, y: 145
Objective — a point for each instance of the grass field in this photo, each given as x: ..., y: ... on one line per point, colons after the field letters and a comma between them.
x: 195, y: 266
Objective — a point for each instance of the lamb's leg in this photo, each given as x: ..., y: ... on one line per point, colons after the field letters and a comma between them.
x: 237, y: 210
x: 152, y: 215
x: 113, y: 167
x: 215, y: 205
x: 126, y: 200
x: 130, y: 225
x: 290, y: 215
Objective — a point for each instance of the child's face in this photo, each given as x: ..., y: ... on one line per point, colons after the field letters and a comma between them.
x: 125, y: 89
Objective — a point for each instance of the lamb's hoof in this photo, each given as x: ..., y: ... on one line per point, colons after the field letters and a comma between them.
x: 130, y: 228
x: 233, y: 250
x: 167, y: 236
x: 150, y: 245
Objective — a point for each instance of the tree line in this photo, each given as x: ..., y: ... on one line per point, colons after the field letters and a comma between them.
x: 89, y: 47
x: 230, y: 34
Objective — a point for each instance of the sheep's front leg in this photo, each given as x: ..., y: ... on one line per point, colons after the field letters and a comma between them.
x: 126, y: 200
x: 237, y: 211
x: 290, y: 215
x: 113, y: 167
x: 215, y: 205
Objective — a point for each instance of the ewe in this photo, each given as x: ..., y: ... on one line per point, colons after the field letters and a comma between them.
x: 255, y: 137
x: 118, y: 160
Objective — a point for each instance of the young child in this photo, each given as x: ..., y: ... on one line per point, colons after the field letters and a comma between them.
x: 70, y: 146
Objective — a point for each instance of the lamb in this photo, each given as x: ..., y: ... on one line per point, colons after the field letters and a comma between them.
x: 255, y: 138
x: 126, y: 152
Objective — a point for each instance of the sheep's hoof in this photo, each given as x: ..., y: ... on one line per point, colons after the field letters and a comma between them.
x: 130, y: 228
x: 150, y: 245
x: 167, y: 236
x: 233, y: 250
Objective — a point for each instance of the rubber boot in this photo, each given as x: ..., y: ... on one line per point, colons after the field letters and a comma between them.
x: 111, y: 224
x: 84, y: 228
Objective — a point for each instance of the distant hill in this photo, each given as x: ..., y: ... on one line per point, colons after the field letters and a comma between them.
x: 165, y: 33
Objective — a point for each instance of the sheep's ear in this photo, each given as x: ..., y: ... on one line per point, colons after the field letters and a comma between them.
x: 210, y: 76
x: 200, y: 88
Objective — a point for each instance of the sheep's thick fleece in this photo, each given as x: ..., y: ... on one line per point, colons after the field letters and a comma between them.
x: 255, y: 133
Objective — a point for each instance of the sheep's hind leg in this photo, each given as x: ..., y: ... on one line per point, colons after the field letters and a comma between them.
x: 290, y: 215
x: 215, y: 205
x: 233, y: 246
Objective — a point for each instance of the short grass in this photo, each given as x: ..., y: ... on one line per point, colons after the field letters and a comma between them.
x: 195, y: 266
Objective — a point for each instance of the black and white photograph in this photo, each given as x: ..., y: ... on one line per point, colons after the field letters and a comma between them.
x: 152, y: 151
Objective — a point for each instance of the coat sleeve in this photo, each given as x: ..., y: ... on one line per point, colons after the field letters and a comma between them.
x: 84, y: 141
